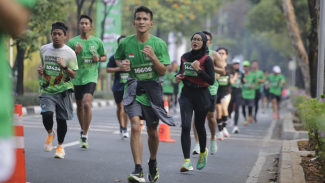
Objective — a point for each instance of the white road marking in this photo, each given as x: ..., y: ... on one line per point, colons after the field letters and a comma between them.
x: 69, y: 144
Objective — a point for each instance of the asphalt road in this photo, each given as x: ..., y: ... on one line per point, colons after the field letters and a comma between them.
x: 240, y: 158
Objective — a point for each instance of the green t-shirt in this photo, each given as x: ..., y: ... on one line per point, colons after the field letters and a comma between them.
x: 87, y: 67
x: 141, y: 65
x: 259, y: 75
x: 213, y: 88
x: 6, y: 97
x: 55, y: 79
x: 247, y: 92
x: 275, y: 83
x: 169, y: 79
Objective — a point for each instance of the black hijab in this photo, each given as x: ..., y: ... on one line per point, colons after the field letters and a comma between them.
x: 197, y: 54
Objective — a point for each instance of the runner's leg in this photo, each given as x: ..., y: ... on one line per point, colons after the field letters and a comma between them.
x: 186, y: 117
x: 136, y: 141
x: 212, y: 125
x: 87, y: 112
x: 61, y: 130
x: 153, y: 141
x: 200, y: 122
x: 224, y: 105
x: 120, y: 115
x: 80, y: 113
x: 257, y: 99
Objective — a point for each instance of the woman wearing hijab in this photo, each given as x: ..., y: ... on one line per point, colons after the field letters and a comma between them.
x: 197, y: 74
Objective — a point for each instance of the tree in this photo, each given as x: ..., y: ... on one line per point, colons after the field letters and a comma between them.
x: 294, y: 33
x: 42, y: 16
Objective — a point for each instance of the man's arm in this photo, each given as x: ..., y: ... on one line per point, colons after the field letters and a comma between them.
x: 112, y: 69
x: 159, y: 67
x: 13, y: 18
x: 217, y: 62
x: 233, y: 79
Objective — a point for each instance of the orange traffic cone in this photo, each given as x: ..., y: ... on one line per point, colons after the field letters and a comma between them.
x: 19, y: 174
x: 164, y: 130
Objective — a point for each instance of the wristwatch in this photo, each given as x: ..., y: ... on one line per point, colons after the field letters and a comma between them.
x: 99, y: 59
x: 199, y: 71
x: 65, y: 68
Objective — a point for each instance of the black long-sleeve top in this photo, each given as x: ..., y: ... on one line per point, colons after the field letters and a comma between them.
x: 208, y: 75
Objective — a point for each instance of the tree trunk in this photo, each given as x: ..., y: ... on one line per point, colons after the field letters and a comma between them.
x: 313, y: 44
x: 296, y: 41
x: 79, y: 8
x: 20, y: 69
x: 91, y: 7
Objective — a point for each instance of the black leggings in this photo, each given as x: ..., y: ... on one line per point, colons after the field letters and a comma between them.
x: 199, y: 102
x: 236, y: 99
x: 250, y: 110
x: 257, y: 99
x: 48, y: 124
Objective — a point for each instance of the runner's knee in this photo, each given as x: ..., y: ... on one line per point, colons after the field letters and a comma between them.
x: 47, y: 116
x: 87, y: 105
x: 152, y: 132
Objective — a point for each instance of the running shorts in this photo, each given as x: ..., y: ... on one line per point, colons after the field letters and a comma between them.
x: 248, y: 102
x: 118, y: 96
x: 80, y: 90
x: 60, y: 103
x: 222, y: 96
x: 277, y: 97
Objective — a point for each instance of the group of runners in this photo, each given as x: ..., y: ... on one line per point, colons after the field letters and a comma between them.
x: 144, y: 78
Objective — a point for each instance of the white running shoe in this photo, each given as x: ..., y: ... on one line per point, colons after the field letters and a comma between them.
x: 60, y: 153
x: 48, y: 146
x: 125, y: 134
x: 225, y: 132
x: 196, y: 149
x: 220, y: 136
x: 213, y: 147
x: 235, y: 130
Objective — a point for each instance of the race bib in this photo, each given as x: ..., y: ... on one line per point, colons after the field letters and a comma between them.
x: 167, y: 82
x: 124, y: 77
x: 223, y: 80
x: 87, y: 62
x: 53, y: 69
x: 189, y: 70
x: 143, y: 71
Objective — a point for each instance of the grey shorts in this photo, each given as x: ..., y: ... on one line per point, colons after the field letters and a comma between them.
x: 144, y: 112
x: 59, y: 103
x: 248, y: 102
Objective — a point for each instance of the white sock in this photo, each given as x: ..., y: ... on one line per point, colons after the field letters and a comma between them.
x: 84, y: 136
x: 51, y: 133
x: 60, y: 145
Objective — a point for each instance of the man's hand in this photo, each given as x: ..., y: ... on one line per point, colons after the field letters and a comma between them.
x: 78, y: 48
x: 149, y: 52
x: 178, y: 78
x: 40, y: 70
x: 245, y: 80
x: 196, y: 65
x: 95, y: 57
x: 60, y: 62
x: 125, y: 65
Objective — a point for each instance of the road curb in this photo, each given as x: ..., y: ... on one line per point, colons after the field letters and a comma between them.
x: 33, y: 110
x: 290, y: 170
x: 288, y: 130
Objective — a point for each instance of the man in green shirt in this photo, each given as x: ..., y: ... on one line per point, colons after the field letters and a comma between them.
x: 145, y: 57
x: 248, y: 91
x: 90, y: 51
x: 168, y: 87
x: 261, y: 79
x: 212, y: 122
x: 276, y: 81
x: 59, y: 66
x: 14, y: 16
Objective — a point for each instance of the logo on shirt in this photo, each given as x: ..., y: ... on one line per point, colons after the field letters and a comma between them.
x: 131, y: 55
x: 92, y: 48
x: 146, y: 57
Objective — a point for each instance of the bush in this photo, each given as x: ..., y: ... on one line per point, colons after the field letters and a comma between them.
x: 103, y: 95
x: 28, y: 100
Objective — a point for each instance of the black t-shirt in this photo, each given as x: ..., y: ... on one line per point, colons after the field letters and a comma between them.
x: 117, y: 86
x: 224, y: 82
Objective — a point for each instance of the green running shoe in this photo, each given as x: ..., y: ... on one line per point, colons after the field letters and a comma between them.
x: 187, y: 166
x: 136, y: 176
x: 203, y: 159
x: 153, y: 175
x: 213, y: 147
x: 196, y: 149
x: 84, y: 142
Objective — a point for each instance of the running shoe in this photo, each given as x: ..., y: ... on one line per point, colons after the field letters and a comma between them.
x: 60, y: 153
x: 187, y: 166
x: 203, y: 159
x: 48, y: 142
x: 220, y: 136
x: 250, y: 119
x: 121, y: 132
x: 84, y: 142
x: 213, y: 147
x: 225, y: 132
x: 196, y: 149
x: 125, y: 133
x: 136, y: 176
x: 235, y: 130
x: 245, y: 123
x: 153, y: 175
x: 80, y: 141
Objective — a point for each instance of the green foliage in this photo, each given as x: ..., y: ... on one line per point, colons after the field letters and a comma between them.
x: 32, y: 86
x: 27, y: 100
x: 103, y: 95
x: 186, y: 16
x: 42, y: 16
